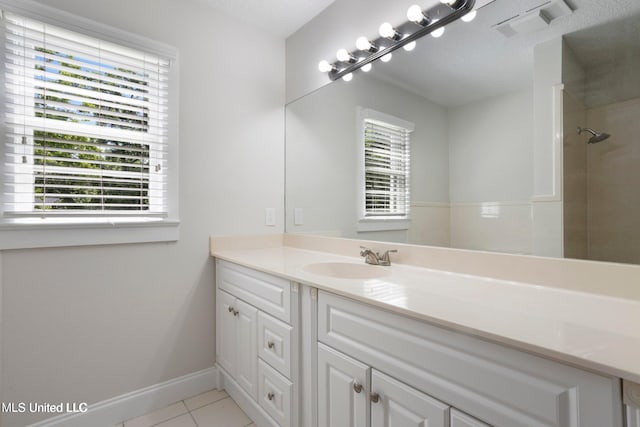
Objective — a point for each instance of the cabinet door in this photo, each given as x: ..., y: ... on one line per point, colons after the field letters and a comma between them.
x: 394, y: 404
x: 226, y: 332
x: 343, y: 384
x: 247, y: 354
x: 460, y: 419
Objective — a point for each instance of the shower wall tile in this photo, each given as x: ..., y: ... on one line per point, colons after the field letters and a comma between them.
x: 492, y: 226
x: 574, y: 179
x: 613, y: 177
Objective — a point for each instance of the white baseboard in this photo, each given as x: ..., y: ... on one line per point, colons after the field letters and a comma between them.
x: 130, y: 405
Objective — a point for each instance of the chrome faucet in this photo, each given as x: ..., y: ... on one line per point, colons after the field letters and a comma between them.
x: 375, y: 258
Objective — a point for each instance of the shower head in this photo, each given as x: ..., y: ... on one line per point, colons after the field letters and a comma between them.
x: 597, y: 137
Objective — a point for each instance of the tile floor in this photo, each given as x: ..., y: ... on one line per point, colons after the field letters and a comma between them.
x: 211, y: 409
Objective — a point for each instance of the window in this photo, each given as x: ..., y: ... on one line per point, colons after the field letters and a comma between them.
x: 86, y: 135
x: 385, y: 144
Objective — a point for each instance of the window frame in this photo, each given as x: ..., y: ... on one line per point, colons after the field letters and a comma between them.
x: 33, y: 231
x: 377, y: 223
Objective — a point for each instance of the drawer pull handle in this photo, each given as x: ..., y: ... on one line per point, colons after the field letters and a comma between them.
x: 271, y: 344
x: 270, y: 396
x: 375, y: 397
x: 357, y: 387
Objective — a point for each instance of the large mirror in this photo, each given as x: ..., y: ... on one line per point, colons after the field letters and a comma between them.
x: 486, y: 108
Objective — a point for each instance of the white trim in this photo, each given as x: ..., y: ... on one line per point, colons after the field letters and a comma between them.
x: 383, y: 224
x: 130, y: 405
x: 51, y: 15
x: 105, y: 233
x: 365, y: 224
x: 246, y: 402
x: 557, y: 108
x: 368, y: 113
x: 14, y: 235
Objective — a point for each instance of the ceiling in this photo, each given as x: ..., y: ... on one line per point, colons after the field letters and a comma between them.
x: 278, y: 17
x: 474, y: 60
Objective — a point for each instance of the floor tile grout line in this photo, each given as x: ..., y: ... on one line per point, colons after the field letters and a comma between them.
x: 207, y: 404
x: 194, y: 419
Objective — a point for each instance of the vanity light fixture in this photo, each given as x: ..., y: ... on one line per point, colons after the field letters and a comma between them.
x: 409, y: 46
x: 415, y: 14
x: 387, y: 31
x: 367, y: 67
x: 343, y: 55
x: 396, y: 37
x: 438, y: 32
x: 363, y: 43
x: 470, y: 16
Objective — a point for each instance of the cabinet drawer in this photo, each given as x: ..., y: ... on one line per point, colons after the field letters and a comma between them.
x: 275, y: 394
x: 458, y: 419
x: 499, y: 385
x: 268, y: 293
x: 274, y: 343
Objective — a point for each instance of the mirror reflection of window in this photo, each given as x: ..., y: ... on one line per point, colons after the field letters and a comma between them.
x: 385, y: 175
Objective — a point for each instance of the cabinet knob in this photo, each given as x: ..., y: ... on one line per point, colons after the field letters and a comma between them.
x: 270, y: 396
x: 271, y: 344
x: 235, y: 312
x: 230, y: 309
x: 375, y: 397
x: 357, y: 387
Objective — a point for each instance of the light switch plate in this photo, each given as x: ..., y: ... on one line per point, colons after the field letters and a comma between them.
x: 298, y: 216
x: 270, y: 217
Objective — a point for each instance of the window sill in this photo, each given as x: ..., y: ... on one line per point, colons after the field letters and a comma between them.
x: 46, y: 234
x: 383, y: 224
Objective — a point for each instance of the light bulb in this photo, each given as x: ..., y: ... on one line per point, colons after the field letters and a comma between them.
x: 363, y: 43
x: 409, y: 46
x: 347, y: 77
x: 343, y: 55
x: 387, y: 30
x: 324, y: 67
x: 470, y: 16
x: 366, y: 68
x: 414, y: 14
x: 449, y: 2
x: 386, y: 58
x: 439, y: 32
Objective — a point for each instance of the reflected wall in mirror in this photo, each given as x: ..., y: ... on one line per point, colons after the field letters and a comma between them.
x: 488, y: 157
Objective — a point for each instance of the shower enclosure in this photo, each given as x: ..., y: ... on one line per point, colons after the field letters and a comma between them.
x: 601, y: 195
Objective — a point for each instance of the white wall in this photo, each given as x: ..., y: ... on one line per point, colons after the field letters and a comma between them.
x: 491, y: 173
x: 322, y: 153
x: 490, y: 149
x: 90, y: 323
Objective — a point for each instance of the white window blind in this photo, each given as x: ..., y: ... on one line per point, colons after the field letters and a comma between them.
x: 86, y: 121
x: 386, y: 169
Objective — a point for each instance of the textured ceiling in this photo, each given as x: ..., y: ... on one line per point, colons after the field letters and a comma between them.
x: 278, y: 17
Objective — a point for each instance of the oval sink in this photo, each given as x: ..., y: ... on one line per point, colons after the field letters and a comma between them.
x: 347, y: 270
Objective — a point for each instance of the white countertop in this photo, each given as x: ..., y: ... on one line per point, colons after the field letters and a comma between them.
x: 596, y: 332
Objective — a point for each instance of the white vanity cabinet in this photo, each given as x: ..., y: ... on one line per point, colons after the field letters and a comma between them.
x: 257, y: 343
x: 352, y: 394
x: 496, y: 385
x: 237, y: 341
x: 459, y: 419
x: 631, y: 403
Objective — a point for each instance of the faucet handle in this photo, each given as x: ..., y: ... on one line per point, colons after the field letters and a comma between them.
x: 385, y: 260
